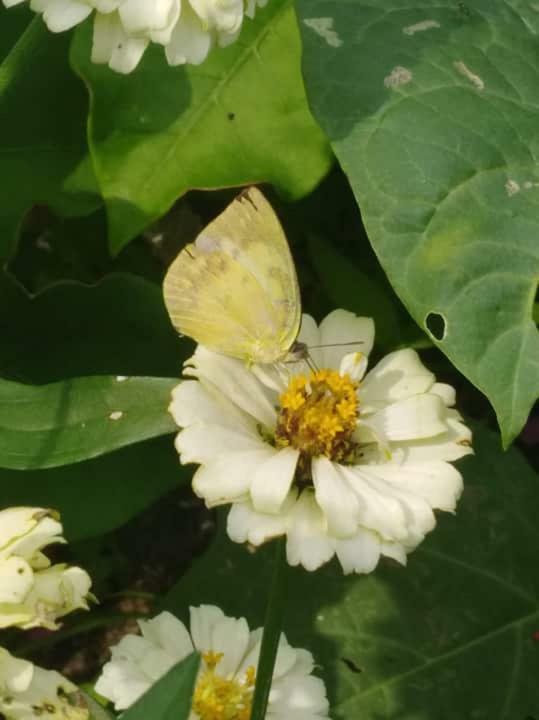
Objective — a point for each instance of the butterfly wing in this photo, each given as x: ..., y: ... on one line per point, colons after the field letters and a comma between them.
x: 235, y: 288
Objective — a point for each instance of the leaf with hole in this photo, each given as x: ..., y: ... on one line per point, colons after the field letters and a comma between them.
x: 432, y: 111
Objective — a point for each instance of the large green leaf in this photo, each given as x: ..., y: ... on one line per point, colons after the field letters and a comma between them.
x: 97, y: 496
x: 43, y: 149
x: 170, y: 697
x: 117, y: 327
x: 450, y: 636
x: 433, y: 112
x: 45, y: 426
x: 240, y: 117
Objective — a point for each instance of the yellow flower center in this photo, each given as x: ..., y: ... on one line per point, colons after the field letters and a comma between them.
x: 318, y: 415
x: 217, y: 698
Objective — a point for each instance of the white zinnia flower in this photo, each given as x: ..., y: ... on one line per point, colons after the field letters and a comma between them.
x: 28, y: 692
x: 227, y: 675
x: 123, y: 29
x: 32, y: 591
x: 339, y: 461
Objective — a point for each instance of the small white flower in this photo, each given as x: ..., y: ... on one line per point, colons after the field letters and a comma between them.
x: 32, y: 591
x: 339, y: 461
x: 28, y: 692
x: 60, y: 15
x: 226, y: 679
x: 123, y: 29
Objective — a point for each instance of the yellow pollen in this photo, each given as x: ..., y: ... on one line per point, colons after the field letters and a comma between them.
x: 318, y: 415
x: 220, y: 698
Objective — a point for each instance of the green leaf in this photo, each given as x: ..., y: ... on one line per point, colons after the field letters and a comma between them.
x: 432, y: 112
x: 117, y: 327
x: 12, y: 25
x: 97, y: 496
x: 241, y: 117
x: 450, y: 636
x: 43, y: 108
x: 45, y: 426
x: 170, y: 697
x: 352, y: 289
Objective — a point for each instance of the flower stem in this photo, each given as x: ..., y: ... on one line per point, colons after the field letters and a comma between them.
x: 273, y: 623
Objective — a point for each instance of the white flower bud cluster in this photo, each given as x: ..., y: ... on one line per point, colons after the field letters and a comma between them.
x: 123, y: 29
x: 35, y: 593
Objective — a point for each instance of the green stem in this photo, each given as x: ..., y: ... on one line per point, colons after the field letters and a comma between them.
x: 273, y: 623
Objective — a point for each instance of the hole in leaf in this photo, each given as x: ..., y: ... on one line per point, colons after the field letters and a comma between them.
x: 436, y: 325
x: 350, y: 664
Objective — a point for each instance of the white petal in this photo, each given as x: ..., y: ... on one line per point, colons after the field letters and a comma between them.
x: 193, y: 403
x: 60, y: 15
x: 224, y: 38
x: 169, y: 633
x: 122, y: 683
x: 202, y: 621
x: 111, y: 44
x: 360, y: 553
x: 379, y: 508
x: 142, y: 17
x: 338, y: 502
x: 20, y: 523
x: 189, y: 41
x: 347, y: 333
x: 438, y: 483
x: 296, y: 697
x: 233, y: 378
x: 446, y: 392
x: 221, y: 16
x: 272, y: 481
x: 399, y: 375
x: 16, y: 580
x: 204, y: 443
x: 395, y: 551
x: 127, y: 55
x: 418, y: 515
x: 449, y: 446
x: 228, y: 478
x: 414, y: 418
x: 354, y: 365
x: 230, y: 636
x: 106, y: 6
x: 307, y: 541
x: 244, y: 524
x: 108, y: 33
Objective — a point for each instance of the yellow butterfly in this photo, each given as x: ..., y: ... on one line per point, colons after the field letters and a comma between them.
x: 235, y: 289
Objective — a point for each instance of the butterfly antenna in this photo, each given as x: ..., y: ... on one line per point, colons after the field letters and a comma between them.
x: 310, y: 362
x: 342, y: 344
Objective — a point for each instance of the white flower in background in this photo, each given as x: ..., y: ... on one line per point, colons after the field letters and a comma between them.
x: 28, y: 692
x: 123, y: 29
x: 60, y: 15
x: 227, y: 674
x: 32, y: 591
x: 339, y: 461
